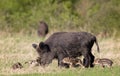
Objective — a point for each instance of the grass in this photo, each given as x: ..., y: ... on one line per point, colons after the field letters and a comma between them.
x: 80, y: 72
x: 17, y: 48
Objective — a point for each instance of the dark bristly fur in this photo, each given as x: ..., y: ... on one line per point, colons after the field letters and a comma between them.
x: 67, y: 44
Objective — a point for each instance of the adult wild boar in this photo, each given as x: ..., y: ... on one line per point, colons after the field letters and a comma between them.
x: 42, y: 29
x: 67, y: 44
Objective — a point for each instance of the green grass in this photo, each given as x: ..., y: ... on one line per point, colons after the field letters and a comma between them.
x: 97, y: 71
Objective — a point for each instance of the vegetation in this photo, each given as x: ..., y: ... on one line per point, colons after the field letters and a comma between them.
x: 18, y: 48
x: 81, y: 72
x: 96, y: 16
x: 19, y: 20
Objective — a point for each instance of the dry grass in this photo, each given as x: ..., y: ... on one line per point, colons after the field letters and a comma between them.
x: 109, y: 48
x: 17, y: 48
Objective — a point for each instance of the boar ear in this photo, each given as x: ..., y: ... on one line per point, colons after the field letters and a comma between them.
x: 44, y: 46
x: 34, y: 46
x: 41, y: 45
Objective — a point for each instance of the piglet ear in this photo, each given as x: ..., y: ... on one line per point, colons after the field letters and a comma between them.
x: 34, y: 46
x: 41, y: 45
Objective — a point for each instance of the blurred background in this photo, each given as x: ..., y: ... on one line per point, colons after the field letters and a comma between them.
x: 101, y: 17
x: 19, y: 21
